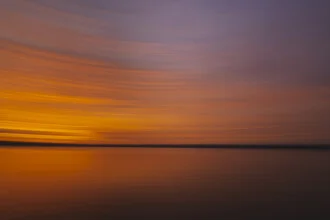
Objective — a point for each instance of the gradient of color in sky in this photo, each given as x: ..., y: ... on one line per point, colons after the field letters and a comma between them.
x: 152, y: 71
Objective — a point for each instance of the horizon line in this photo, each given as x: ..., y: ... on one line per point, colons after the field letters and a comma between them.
x: 196, y: 145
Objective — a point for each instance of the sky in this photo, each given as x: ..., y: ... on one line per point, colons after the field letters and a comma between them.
x: 165, y: 72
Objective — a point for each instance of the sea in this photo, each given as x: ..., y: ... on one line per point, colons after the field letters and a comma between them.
x: 78, y: 183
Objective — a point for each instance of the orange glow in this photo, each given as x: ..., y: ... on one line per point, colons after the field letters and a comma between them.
x: 35, y: 104
x: 47, y: 174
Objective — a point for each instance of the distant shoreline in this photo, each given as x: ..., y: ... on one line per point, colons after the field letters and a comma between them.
x: 219, y: 146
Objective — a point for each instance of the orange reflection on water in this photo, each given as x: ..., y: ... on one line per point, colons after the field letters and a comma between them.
x: 52, y: 181
x: 33, y: 178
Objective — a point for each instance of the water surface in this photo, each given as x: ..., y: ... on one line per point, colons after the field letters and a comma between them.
x: 163, y: 183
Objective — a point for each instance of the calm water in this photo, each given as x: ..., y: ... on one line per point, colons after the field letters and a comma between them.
x: 146, y: 183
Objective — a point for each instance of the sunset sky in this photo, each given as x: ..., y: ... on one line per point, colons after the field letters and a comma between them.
x: 165, y: 71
